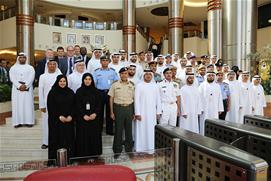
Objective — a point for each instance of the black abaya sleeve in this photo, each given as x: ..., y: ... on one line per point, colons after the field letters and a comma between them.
x: 79, y: 107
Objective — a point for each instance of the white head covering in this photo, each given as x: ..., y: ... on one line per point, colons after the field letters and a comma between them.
x: 57, y: 69
x: 256, y: 77
x: 20, y: 55
x: 76, y: 64
x: 240, y: 77
x: 145, y: 71
x: 93, y: 54
x: 114, y: 53
x: 190, y: 74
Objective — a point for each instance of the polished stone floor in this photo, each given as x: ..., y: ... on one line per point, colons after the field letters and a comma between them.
x: 20, y: 153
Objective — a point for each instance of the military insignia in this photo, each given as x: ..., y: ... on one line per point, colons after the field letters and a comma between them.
x: 164, y: 86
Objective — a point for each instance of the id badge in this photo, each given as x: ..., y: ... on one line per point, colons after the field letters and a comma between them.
x: 87, y: 106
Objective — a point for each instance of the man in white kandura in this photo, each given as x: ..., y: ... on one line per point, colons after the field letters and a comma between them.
x: 170, y: 99
x: 236, y: 102
x: 46, y: 82
x: 247, y: 95
x: 211, y: 99
x: 190, y: 105
x: 94, y: 62
x: 75, y: 79
x: 260, y: 101
x: 22, y: 76
x: 147, y: 112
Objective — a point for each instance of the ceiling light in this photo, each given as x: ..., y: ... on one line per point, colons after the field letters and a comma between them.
x: 269, y: 21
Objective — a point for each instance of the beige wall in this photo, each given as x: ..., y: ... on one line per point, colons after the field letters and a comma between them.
x: 263, y: 37
x: 44, y: 37
x: 8, y: 33
x: 141, y: 43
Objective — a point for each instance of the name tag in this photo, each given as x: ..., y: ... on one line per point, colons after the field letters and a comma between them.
x: 87, y: 106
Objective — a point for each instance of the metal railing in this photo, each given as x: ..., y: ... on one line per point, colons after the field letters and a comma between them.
x: 258, y: 121
x: 203, y: 158
x: 254, y: 140
x: 8, y: 13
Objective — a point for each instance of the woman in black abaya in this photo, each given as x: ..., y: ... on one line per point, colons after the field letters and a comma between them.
x: 60, y: 104
x: 88, y: 105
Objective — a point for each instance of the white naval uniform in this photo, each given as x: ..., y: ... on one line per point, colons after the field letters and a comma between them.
x: 169, y: 91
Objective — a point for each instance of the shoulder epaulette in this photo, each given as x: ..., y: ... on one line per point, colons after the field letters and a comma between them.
x: 112, y: 68
x: 97, y: 69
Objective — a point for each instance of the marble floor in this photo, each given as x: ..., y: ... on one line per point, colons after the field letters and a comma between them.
x: 20, y: 153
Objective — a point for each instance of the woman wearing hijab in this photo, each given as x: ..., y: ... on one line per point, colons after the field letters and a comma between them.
x: 60, y: 104
x: 88, y: 105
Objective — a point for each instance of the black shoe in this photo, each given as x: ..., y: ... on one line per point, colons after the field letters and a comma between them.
x: 110, y: 133
x: 17, y: 126
x: 29, y: 125
x: 117, y: 155
x: 44, y: 146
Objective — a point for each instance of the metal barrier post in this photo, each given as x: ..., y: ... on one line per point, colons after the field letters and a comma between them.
x: 175, y: 146
x: 62, y: 159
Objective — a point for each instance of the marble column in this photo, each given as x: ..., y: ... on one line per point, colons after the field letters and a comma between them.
x: 215, y: 27
x: 239, y: 32
x: 25, y: 29
x: 175, y: 26
x: 129, y: 26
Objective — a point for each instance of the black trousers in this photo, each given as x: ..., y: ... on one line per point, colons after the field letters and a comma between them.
x: 106, y: 108
x: 224, y: 113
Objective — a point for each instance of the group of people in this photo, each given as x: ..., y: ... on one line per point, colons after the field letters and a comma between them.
x: 132, y: 94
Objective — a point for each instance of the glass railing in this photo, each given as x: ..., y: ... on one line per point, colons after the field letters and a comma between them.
x: 18, y: 170
x: 146, y: 165
x: 78, y: 24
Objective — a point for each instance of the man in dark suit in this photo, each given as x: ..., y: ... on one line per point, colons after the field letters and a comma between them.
x: 40, y: 69
x: 83, y: 51
x: 66, y: 64
x: 60, y: 53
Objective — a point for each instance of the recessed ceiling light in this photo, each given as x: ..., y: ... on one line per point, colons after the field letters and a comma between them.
x: 269, y: 21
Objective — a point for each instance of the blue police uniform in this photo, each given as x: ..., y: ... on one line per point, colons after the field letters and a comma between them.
x: 103, y: 79
x: 200, y: 79
x: 225, y: 90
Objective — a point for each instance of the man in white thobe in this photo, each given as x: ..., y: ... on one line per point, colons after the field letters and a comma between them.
x: 133, y: 60
x: 115, y: 62
x: 190, y: 105
x: 46, y: 82
x: 75, y: 79
x: 170, y: 99
x: 260, y: 101
x: 94, y: 62
x: 211, y: 99
x: 147, y: 112
x: 236, y: 102
x: 132, y: 74
x: 22, y: 76
x: 247, y: 95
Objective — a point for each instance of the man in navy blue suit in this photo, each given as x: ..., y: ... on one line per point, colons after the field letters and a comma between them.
x: 40, y: 69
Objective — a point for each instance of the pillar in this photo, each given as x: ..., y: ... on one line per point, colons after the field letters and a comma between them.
x: 129, y: 27
x: 239, y: 32
x: 215, y: 27
x: 25, y: 29
x: 175, y: 26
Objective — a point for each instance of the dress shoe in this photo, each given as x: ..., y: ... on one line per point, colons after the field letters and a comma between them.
x: 17, y: 126
x: 44, y: 146
x: 29, y: 125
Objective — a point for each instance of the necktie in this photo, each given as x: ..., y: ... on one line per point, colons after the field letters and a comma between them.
x: 70, y: 68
